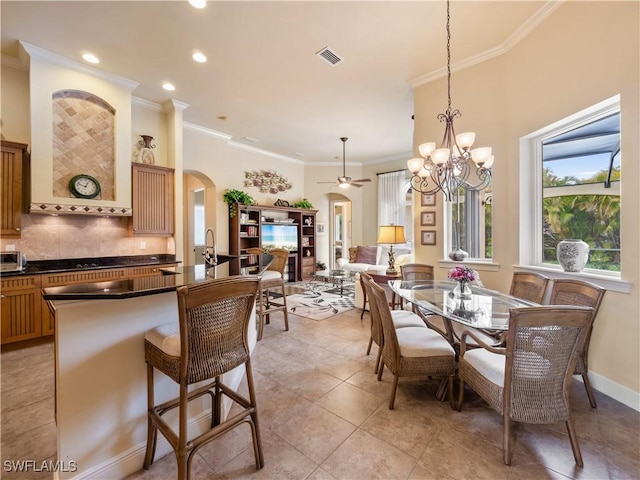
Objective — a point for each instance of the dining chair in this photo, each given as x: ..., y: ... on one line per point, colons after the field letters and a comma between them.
x: 272, y: 278
x: 365, y: 299
x: 415, y: 271
x: 400, y: 319
x: 585, y: 294
x: 410, y: 351
x: 209, y: 339
x: 529, y: 286
x: 528, y: 380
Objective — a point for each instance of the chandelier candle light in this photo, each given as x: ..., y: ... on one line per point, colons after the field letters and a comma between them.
x: 391, y: 234
x: 449, y: 167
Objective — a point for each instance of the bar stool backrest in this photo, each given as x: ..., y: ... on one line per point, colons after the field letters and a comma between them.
x: 214, y: 319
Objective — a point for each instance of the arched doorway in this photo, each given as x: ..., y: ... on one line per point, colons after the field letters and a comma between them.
x: 199, y: 214
x: 339, y: 228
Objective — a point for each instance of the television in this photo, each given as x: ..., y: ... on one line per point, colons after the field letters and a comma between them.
x: 279, y: 236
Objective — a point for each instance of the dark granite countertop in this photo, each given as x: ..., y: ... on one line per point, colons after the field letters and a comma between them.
x: 170, y: 279
x: 38, y: 267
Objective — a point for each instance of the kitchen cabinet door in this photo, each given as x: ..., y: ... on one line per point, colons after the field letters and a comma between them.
x: 21, y: 301
x: 152, y: 201
x: 11, y: 189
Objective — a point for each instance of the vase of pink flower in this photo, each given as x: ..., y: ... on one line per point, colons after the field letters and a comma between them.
x: 462, y: 275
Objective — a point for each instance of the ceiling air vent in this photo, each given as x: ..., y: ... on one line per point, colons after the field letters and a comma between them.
x: 328, y: 56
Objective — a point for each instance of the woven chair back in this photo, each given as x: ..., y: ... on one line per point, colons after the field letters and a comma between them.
x: 529, y: 286
x: 584, y: 294
x: 281, y: 255
x: 416, y: 271
x: 214, y: 319
x: 390, y: 347
x: 542, y: 347
x: 376, y: 325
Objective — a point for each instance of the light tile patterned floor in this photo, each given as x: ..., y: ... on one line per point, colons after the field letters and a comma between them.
x: 324, y: 415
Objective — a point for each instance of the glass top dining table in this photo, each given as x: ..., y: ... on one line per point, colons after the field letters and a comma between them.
x: 482, y: 308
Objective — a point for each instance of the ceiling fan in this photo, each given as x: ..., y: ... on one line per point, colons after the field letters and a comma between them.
x: 344, y: 181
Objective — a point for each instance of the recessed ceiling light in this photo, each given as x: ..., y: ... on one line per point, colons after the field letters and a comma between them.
x: 198, y: 3
x: 169, y: 87
x: 199, y: 57
x: 90, y: 57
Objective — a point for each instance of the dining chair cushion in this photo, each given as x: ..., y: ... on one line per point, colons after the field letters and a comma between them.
x: 416, y: 342
x: 403, y: 319
x: 490, y: 365
x: 271, y: 275
x: 165, y: 337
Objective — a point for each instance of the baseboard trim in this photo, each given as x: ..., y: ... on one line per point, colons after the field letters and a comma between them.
x: 614, y: 390
x: 131, y: 461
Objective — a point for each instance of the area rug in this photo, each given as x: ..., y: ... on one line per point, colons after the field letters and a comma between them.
x: 319, y: 301
x: 318, y: 305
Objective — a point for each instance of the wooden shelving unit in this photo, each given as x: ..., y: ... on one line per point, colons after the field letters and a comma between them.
x: 245, y: 231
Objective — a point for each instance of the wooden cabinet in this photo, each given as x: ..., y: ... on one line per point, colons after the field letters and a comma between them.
x: 21, y: 308
x: 152, y: 200
x: 11, y: 171
x: 25, y: 314
x: 148, y: 270
x: 246, y: 231
x: 83, y: 276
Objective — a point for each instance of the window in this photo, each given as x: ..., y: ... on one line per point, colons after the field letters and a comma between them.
x: 570, y: 188
x: 395, y: 202
x: 471, y: 223
x: 581, y: 191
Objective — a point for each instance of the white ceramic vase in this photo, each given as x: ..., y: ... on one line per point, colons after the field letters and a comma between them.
x: 572, y: 254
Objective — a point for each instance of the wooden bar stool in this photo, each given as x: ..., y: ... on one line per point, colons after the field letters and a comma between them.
x: 209, y: 340
x: 271, y: 279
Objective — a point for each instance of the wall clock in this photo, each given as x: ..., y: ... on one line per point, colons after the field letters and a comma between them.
x: 84, y: 186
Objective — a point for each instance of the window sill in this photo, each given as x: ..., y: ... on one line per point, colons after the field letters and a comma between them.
x: 610, y: 281
x: 476, y: 264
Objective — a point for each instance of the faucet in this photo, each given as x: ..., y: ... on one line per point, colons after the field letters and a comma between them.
x: 210, y: 258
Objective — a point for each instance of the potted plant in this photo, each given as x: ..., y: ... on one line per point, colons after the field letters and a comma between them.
x: 232, y: 196
x: 304, y: 203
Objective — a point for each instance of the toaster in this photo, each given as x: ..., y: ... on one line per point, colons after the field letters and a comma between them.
x: 12, y: 261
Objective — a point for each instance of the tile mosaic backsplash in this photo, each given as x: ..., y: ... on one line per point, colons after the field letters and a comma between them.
x: 46, y: 237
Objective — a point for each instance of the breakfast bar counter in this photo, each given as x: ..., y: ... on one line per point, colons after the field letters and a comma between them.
x: 101, y: 397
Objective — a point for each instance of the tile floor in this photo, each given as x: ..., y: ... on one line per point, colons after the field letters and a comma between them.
x: 323, y: 416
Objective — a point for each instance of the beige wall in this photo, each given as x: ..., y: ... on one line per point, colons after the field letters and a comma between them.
x: 584, y: 53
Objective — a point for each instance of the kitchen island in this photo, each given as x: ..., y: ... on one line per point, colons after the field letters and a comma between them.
x: 101, y: 398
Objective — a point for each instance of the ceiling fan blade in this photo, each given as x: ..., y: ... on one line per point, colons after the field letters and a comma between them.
x: 327, y: 182
x: 362, y: 180
x: 353, y: 184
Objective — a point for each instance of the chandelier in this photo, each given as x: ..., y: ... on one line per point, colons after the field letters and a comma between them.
x: 454, y: 165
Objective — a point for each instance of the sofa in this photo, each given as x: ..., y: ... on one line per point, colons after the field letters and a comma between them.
x: 376, y: 258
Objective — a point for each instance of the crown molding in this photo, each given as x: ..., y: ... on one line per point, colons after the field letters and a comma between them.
x: 55, y: 59
x: 512, y: 40
x: 267, y: 153
x: 206, y: 131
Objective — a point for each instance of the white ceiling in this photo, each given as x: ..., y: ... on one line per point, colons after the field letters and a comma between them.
x: 262, y: 73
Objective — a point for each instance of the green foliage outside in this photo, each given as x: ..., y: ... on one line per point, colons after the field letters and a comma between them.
x: 594, y: 219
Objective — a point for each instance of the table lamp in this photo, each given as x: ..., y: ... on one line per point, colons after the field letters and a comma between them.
x: 391, y: 234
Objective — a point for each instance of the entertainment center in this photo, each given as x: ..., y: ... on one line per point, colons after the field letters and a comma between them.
x: 267, y: 227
